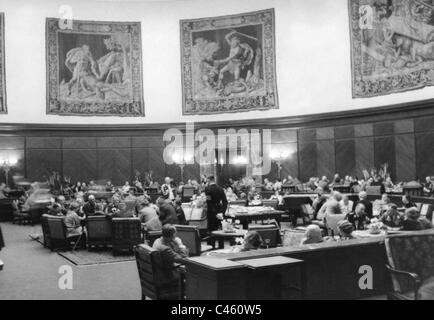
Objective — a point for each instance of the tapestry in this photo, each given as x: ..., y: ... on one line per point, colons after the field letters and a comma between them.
x: 229, y: 63
x: 94, y: 68
x: 392, y: 44
x: 3, y: 108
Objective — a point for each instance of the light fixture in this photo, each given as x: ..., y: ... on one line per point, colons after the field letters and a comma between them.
x: 182, y: 160
x: 278, y: 156
x: 6, y: 165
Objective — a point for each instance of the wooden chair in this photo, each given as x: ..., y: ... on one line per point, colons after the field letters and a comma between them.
x: 373, y: 190
x: 154, y: 274
x: 149, y: 237
x: 269, y: 233
x: 99, y: 231
x: 411, y: 266
x: 190, y: 237
x: 58, y: 234
x: 19, y: 217
x: 188, y: 193
x: 270, y: 203
x: 46, y: 230
x: 126, y: 234
x: 413, y: 191
x: 200, y: 220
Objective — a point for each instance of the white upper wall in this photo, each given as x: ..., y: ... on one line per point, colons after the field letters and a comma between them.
x: 313, y: 57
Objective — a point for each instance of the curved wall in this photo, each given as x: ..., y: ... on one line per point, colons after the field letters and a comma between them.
x: 313, y: 57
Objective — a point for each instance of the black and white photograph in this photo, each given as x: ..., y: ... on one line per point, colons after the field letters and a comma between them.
x: 217, y: 159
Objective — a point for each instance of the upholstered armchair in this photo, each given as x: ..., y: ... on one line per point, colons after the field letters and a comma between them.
x: 190, y: 237
x: 99, y: 231
x: 411, y: 265
x: 58, y: 238
x: 126, y: 234
x: 155, y: 282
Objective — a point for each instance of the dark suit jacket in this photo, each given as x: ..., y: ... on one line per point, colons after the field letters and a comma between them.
x: 216, y: 203
x: 168, y: 214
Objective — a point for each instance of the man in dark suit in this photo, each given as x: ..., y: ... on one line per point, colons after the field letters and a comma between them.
x: 363, y: 199
x: 172, y: 252
x: 216, y: 202
x: 89, y: 207
x: 167, y: 212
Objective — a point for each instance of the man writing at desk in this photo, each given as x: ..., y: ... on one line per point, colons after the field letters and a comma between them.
x: 217, y: 203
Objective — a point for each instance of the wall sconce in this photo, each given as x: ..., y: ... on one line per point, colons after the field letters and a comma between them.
x: 6, y: 165
x: 182, y: 161
x: 240, y: 160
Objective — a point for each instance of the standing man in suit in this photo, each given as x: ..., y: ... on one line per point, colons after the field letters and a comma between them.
x: 216, y: 202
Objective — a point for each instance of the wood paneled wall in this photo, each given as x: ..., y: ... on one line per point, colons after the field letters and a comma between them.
x: 346, y: 145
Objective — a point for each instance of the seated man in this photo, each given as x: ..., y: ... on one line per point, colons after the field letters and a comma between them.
x: 407, y: 201
x: 346, y: 204
x: 146, y: 211
x: 428, y: 187
x: 3, y: 191
x: 90, y: 206
x: 363, y: 198
x: 414, y: 222
x: 358, y: 218
x: 346, y: 230
x: 313, y: 235
x: 167, y: 212
x: 172, y: 251
x: 392, y: 218
x: 56, y: 210
x: 73, y: 221
x: 122, y: 211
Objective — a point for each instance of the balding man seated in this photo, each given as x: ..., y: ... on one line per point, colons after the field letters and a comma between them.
x: 90, y: 207
x: 363, y: 198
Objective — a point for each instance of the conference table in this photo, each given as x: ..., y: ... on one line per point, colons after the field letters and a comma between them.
x: 247, y: 215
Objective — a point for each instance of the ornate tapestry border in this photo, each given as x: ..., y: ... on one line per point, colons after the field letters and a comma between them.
x: 409, y: 81
x: 94, y: 27
x: 245, y: 104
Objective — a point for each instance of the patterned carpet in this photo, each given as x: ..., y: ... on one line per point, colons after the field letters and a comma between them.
x: 86, y: 258
x: 83, y: 257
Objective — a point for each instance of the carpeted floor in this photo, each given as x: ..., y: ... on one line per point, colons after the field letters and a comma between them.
x: 32, y: 272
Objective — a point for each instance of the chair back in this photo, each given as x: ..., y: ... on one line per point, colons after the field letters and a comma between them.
x: 413, y: 191
x: 332, y: 220
x: 373, y: 190
x: 188, y: 193
x: 46, y: 230
x: 269, y: 233
x: 411, y: 252
x: 266, y: 194
x: 199, y: 219
x: 56, y: 227
x: 270, y: 203
x: 99, y: 230
x: 126, y: 233
x: 290, y: 189
x: 190, y: 237
x: 131, y: 206
x: 342, y: 189
x: 153, y: 278
x: 240, y: 203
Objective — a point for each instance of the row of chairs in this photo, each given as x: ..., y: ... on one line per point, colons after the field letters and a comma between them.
x: 122, y: 234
